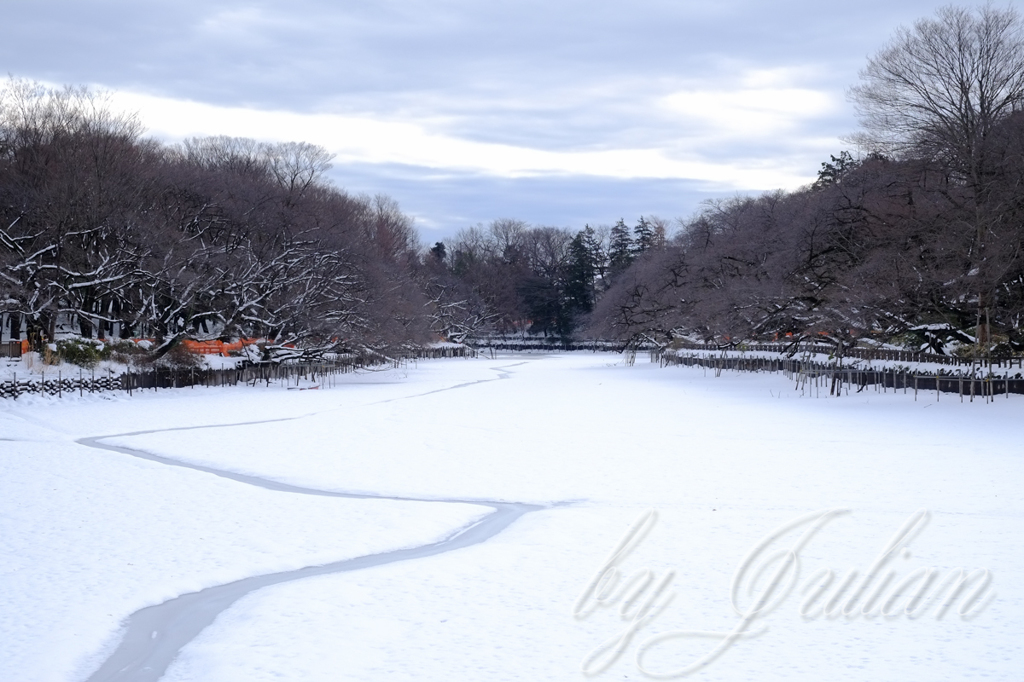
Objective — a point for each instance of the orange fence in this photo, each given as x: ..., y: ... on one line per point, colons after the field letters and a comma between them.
x: 16, y: 348
x: 217, y: 347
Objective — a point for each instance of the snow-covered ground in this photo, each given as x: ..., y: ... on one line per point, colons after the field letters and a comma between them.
x: 87, y: 537
x: 32, y: 367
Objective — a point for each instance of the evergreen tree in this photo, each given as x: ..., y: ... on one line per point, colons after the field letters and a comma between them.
x: 581, y: 272
x: 439, y: 252
x: 620, y: 248
x: 597, y: 254
x: 832, y: 173
x: 644, y: 236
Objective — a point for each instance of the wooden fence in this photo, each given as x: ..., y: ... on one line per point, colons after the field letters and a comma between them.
x: 84, y: 381
x: 58, y: 384
x: 553, y: 344
x: 812, y: 377
x: 864, y: 354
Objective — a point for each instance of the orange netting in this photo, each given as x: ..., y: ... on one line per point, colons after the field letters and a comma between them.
x: 217, y: 347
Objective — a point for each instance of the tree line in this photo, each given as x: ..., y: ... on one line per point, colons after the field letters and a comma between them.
x: 118, y: 235
x: 916, y: 239
x: 510, y: 277
x: 108, y: 234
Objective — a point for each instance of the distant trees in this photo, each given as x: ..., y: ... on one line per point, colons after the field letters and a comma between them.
x: 919, y: 240
x: 121, y: 236
x: 518, y: 273
x: 878, y: 250
x: 543, y: 280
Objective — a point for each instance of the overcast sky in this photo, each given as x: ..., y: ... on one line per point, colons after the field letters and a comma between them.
x: 557, y: 112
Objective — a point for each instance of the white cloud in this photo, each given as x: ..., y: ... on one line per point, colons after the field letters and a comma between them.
x: 363, y: 139
x: 237, y: 21
x: 570, y: 111
x: 763, y: 104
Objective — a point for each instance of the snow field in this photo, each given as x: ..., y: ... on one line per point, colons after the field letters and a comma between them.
x: 723, y: 460
x: 88, y: 537
x: 502, y: 611
x: 583, y: 427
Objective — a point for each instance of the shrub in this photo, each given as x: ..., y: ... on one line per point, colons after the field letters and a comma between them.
x: 81, y: 352
x: 180, y: 357
x: 124, y: 352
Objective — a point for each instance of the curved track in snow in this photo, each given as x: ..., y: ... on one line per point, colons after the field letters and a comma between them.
x: 155, y: 635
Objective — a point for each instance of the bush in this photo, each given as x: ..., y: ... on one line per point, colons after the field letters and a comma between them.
x: 81, y: 352
x: 124, y: 352
x: 180, y: 357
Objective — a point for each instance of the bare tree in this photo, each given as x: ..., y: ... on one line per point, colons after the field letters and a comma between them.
x: 939, y: 90
x: 387, y: 228
x: 943, y: 85
x: 508, y: 237
x: 297, y: 165
x: 71, y: 190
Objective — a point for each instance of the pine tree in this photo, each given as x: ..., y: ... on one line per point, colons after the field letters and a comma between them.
x: 597, y: 253
x: 581, y: 272
x: 644, y: 237
x: 832, y: 173
x: 620, y: 248
x: 439, y: 252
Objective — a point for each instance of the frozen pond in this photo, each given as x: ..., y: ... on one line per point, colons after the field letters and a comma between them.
x: 255, y: 487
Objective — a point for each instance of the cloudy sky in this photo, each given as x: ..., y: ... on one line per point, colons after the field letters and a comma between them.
x: 561, y: 112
